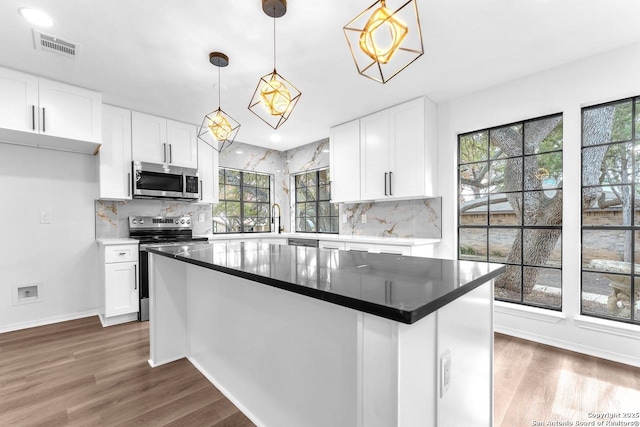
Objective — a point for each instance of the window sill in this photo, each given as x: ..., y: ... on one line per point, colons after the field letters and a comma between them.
x: 609, y: 326
x: 533, y: 313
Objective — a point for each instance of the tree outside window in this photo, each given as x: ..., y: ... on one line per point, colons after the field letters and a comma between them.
x: 245, y: 202
x: 510, y: 207
x: 610, y: 203
x: 314, y: 211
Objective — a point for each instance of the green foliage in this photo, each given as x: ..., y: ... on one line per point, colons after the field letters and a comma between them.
x: 467, y: 250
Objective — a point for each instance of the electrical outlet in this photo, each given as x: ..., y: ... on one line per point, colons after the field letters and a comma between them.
x: 45, y: 217
x: 201, y: 217
x: 344, y: 218
x: 445, y: 373
x: 363, y: 217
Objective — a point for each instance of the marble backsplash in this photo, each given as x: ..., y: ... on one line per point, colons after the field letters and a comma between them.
x: 419, y: 218
x: 112, y: 217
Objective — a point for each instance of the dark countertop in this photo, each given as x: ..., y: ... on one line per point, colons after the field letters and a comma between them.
x: 396, y: 287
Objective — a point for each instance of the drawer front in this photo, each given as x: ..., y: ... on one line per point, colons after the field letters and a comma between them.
x: 121, y: 253
x: 393, y: 249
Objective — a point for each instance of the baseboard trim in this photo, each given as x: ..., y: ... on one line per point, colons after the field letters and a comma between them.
x: 226, y: 393
x: 117, y: 320
x: 48, y: 321
x: 578, y: 348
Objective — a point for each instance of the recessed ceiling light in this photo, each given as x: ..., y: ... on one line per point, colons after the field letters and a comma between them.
x: 326, y: 150
x: 276, y: 138
x: 36, y: 17
x: 238, y: 151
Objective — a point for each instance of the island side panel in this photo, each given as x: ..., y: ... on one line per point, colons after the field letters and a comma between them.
x: 284, y: 359
x: 465, y: 329
x: 167, y: 310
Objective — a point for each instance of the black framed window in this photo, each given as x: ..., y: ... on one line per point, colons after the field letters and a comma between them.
x: 245, y: 202
x: 314, y: 211
x: 610, y: 279
x: 510, y: 207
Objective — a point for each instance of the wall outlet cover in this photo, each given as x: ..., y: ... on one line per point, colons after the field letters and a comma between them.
x: 364, y: 218
x: 445, y: 372
x: 201, y: 217
x: 45, y: 217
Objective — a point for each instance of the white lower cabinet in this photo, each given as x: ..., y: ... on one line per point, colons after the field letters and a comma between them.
x: 274, y: 240
x: 119, y: 298
x: 331, y: 245
x: 359, y: 247
x: 393, y: 249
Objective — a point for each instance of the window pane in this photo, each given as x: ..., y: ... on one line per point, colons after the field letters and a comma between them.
x: 505, y: 141
x: 249, y: 194
x: 301, y: 180
x: 508, y: 285
x: 221, y: 176
x: 617, y: 165
x: 600, y: 295
x: 323, y: 177
x: 501, y: 240
x: 250, y: 209
x: 324, y: 225
x: 602, y: 206
x: 310, y: 210
x: 473, y: 209
x: 473, y: 147
x: 543, y: 286
x: 263, y: 210
x: 301, y: 195
x: 312, y: 193
x: 221, y: 194
x: 506, y: 175
x: 262, y: 224
x: 473, y: 244
x: 540, y: 208
x: 502, y: 210
x: 233, y: 209
x: 311, y: 179
x: 262, y: 194
x: 607, y: 123
x: 605, y: 250
x: 324, y: 209
x: 262, y: 180
x: 232, y: 177
x: 232, y: 192
x: 234, y: 225
x: 335, y: 227
x: 325, y: 192
x: 545, y: 248
x: 473, y: 178
x: 543, y: 135
x: 543, y: 171
x: 299, y: 209
x: 249, y: 179
x: 637, y: 118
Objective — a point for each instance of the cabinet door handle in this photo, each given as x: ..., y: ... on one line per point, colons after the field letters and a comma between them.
x: 385, y: 183
x: 201, y: 190
x: 170, y: 156
x: 129, y: 184
x: 390, y: 178
x: 33, y: 117
x: 164, y: 153
x: 122, y: 253
x: 44, y: 121
x: 135, y: 281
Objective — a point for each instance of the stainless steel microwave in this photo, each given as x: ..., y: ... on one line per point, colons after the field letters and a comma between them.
x: 151, y: 180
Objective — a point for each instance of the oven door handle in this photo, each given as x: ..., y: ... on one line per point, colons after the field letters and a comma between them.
x: 135, y: 280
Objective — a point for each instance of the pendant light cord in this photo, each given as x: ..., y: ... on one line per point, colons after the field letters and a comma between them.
x: 274, y: 38
x: 219, y: 98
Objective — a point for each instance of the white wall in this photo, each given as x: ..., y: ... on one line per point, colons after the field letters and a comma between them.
x: 63, y: 255
x: 565, y: 89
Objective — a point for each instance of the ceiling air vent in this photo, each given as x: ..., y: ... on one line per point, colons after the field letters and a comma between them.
x: 60, y: 47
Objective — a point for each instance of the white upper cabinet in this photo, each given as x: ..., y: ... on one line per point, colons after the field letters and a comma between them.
x: 159, y: 140
x: 208, y: 172
x: 397, y: 153
x: 344, y: 153
x: 115, y: 154
x: 70, y: 112
x: 32, y: 107
x: 19, y: 101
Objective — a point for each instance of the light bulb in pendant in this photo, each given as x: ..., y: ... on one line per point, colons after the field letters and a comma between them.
x: 275, y: 97
x: 219, y: 127
x: 382, y: 35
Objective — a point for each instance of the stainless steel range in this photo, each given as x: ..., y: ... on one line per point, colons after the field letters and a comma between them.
x: 157, y: 231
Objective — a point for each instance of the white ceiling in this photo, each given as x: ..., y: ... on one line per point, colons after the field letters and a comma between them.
x: 152, y: 55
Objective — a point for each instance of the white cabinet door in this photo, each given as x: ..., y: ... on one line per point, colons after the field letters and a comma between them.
x: 374, y: 151
x: 148, y: 138
x: 393, y: 249
x: 18, y: 101
x: 182, y: 144
x: 344, y: 153
x: 115, y: 154
x: 69, y: 112
x: 121, y: 293
x: 359, y: 247
x: 407, y: 150
x: 208, y: 171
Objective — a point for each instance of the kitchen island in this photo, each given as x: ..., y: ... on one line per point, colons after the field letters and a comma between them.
x: 299, y: 336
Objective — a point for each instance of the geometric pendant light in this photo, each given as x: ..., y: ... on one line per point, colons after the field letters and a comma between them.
x: 275, y: 97
x: 218, y: 129
x: 384, y: 40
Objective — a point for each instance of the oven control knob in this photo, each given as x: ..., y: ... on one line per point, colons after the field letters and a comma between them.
x: 134, y: 221
x: 188, y: 221
x: 141, y: 221
x: 177, y: 221
x: 182, y: 221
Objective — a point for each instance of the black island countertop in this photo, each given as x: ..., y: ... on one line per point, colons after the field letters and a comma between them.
x: 396, y: 287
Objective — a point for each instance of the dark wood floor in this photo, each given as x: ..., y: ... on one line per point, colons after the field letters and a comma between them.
x: 80, y: 374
